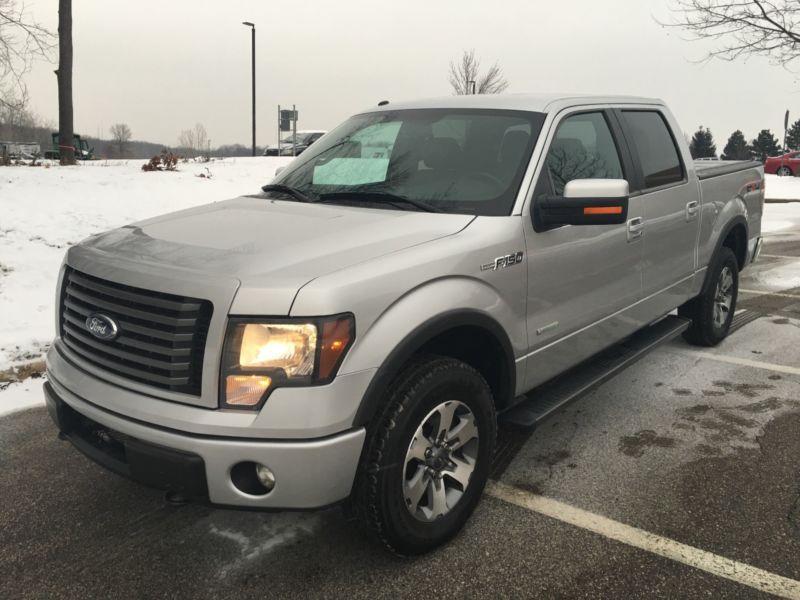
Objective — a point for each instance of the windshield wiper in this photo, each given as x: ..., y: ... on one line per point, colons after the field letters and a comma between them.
x: 288, y: 190
x: 375, y: 196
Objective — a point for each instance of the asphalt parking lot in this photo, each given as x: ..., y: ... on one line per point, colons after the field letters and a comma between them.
x: 684, y: 467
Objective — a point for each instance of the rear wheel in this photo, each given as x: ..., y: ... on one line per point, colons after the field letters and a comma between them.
x: 428, y: 458
x: 784, y: 172
x: 712, y: 311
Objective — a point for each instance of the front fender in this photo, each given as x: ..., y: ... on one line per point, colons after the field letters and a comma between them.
x: 419, y: 317
x: 433, y: 302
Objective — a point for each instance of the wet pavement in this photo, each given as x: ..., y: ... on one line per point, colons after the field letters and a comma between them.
x: 697, y: 447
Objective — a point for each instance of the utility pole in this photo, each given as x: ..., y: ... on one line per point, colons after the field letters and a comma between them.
x: 66, y: 151
x: 253, y: 69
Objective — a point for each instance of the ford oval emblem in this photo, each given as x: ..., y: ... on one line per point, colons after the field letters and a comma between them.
x: 102, y: 326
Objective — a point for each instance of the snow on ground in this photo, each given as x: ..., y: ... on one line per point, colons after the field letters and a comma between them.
x: 43, y: 211
x: 782, y: 188
x: 22, y: 395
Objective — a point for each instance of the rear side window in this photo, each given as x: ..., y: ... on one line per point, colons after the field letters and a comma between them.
x: 658, y: 155
x: 583, y: 148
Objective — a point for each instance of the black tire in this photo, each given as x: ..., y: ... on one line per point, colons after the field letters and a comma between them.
x: 784, y: 172
x: 706, y: 328
x: 379, y: 501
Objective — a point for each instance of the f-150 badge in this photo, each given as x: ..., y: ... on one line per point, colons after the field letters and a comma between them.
x: 501, y: 262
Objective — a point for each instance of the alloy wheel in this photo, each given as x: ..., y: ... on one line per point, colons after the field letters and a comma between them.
x: 723, y: 298
x: 440, y: 461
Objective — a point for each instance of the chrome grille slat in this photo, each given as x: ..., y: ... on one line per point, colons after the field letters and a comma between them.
x: 129, y: 326
x: 115, y: 351
x: 133, y: 296
x: 161, y: 338
x: 135, y: 313
x: 169, y: 350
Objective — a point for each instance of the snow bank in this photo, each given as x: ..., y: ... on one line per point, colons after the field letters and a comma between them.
x: 782, y: 188
x: 43, y: 211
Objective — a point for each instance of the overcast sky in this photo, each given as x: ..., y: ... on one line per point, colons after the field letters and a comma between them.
x: 162, y: 66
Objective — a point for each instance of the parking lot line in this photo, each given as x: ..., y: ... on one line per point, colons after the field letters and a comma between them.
x: 779, y: 256
x: 720, y: 566
x: 763, y: 293
x: 745, y: 362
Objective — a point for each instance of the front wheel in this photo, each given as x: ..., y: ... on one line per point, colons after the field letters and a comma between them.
x: 712, y: 311
x: 429, y: 456
x: 784, y: 172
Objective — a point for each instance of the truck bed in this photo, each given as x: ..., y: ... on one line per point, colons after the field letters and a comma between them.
x: 714, y: 168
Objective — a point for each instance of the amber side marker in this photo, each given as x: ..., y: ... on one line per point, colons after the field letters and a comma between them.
x: 602, y: 210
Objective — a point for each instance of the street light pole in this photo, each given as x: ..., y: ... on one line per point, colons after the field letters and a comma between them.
x: 253, y: 67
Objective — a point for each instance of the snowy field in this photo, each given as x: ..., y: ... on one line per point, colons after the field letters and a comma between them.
x: 45, y: 210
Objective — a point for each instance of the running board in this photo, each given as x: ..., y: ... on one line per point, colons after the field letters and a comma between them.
x: 543, y: 401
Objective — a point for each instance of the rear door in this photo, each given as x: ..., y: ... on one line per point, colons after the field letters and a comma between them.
x: 580, y: 278
x: 669, y: 197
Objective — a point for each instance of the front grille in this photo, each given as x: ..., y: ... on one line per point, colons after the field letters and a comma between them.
x: 161, y: 339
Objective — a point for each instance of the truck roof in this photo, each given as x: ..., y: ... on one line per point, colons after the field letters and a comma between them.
x: 530, y: 102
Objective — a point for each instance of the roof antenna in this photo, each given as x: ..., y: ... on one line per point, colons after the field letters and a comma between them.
x: 383, y: 103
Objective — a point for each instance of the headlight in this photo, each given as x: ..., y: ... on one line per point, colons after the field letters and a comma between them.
x: 260, y: 356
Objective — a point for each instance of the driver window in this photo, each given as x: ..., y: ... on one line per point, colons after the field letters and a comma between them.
x: 583, y: 148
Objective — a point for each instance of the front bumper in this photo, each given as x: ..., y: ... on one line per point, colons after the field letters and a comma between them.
x: 308, y: 473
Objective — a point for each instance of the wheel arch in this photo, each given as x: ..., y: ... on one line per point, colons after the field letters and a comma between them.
x: 733, y: 236
x: 468, y: 335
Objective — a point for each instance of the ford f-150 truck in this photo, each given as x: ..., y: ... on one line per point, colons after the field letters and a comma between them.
x: 354, y: 332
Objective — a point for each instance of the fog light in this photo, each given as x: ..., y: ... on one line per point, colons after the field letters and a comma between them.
x: 265, y: 476
x: 252, y: 478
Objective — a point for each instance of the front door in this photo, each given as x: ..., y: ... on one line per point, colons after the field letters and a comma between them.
x: 580, y: 278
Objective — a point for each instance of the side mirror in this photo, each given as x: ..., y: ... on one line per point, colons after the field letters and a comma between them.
x: 587, y: 202
x: 279, y: 170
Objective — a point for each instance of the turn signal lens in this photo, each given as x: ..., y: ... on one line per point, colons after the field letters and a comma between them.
x: 602, y: 210
x: 336, y: 337
x: 246, y: 390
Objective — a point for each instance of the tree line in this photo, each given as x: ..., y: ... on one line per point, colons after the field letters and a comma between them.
x: 765, y: 144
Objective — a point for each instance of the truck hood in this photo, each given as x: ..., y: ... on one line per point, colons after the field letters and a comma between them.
x: 272, y: 247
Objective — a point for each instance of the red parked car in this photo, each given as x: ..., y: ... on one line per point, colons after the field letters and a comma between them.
x: 790, y: 166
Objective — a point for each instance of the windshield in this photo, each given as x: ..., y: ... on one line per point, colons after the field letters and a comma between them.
x: 460, y: 161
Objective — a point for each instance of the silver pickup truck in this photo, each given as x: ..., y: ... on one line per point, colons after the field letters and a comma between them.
x: 354, y: 332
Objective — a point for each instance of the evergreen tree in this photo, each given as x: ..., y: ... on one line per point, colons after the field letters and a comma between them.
x: 737, y: 148
x: 793, y: 136
x: 702, y: 144
x: 765, y: 145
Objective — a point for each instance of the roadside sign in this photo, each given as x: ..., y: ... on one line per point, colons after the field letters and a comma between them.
x: 287, y: 117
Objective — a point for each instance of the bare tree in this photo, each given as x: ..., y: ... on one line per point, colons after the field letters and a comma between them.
x: 466, y: 77
x: 21, y: 41
x: 64, y: 76
x: 186, y: 139
x: 200, y: 138
x: 768, y: 28
x: 194, y: 139
x: 120, y: 136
